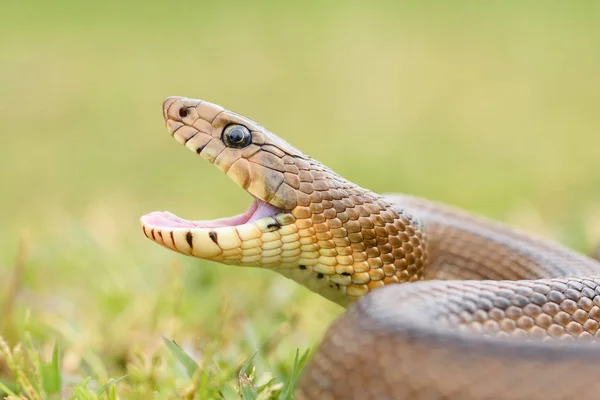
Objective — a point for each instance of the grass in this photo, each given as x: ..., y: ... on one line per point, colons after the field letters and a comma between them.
x: 490, y: 106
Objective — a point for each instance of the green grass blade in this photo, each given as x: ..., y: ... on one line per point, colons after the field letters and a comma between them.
x: 288, y: 393
x: 51, y: 374
x: 246, y: 386
x: 189, y: 364
x: 228, y: 392
x: 110, y: 383
x: 5, y: 389
x: 267, y: 385
x: 248, y: 390
x: 246, y: 365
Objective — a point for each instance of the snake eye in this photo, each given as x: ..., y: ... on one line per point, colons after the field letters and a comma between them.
x: 237, y: 136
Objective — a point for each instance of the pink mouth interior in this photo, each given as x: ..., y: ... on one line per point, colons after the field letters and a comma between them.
x: 166, y: 220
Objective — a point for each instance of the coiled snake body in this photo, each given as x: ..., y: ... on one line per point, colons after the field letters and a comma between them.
x: 487, y: 312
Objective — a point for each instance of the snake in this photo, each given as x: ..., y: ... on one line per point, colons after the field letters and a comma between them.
x: 440, y: 303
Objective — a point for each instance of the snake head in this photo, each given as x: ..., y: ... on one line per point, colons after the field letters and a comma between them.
x: 257, y: 160
x: 306, y: 222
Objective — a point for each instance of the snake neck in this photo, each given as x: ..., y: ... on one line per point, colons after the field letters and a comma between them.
x: 357, y: 244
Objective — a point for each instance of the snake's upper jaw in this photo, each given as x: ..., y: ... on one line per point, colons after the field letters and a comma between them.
x: 257, y: 210
x: 261, y: 163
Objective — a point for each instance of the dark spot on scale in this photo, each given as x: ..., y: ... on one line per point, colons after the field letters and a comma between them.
x: 303, y: 267
x: 346, y: 273
x: 273, y: 226
x: 199, y: 149
x: 152, y: 232
x: 188, y: 239
x: 190, y: 138
x: 213, y: 236
x: 172, y: 239
x: 337, y: 285
x: 320, y: 276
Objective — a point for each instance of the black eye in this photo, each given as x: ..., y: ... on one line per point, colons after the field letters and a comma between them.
x: 237, y: 136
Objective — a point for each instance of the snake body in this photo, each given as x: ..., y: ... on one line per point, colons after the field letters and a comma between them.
x: 441, y: 304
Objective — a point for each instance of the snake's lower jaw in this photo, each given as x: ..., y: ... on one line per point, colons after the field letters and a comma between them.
x: 253, y: 238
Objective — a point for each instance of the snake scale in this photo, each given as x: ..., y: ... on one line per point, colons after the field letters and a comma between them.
x: 487, y: 312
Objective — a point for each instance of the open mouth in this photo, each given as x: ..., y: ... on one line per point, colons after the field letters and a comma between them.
x: 224, y: 139
x: 164, y: 220
x: 232, y: 240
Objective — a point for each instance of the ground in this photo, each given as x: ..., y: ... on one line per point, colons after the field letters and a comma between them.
x: 490, y: 106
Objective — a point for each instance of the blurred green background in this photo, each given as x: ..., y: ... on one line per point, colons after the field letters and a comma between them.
x: 491, y: 106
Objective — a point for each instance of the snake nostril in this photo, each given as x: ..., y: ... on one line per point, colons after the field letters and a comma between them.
x: 183, y: 112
